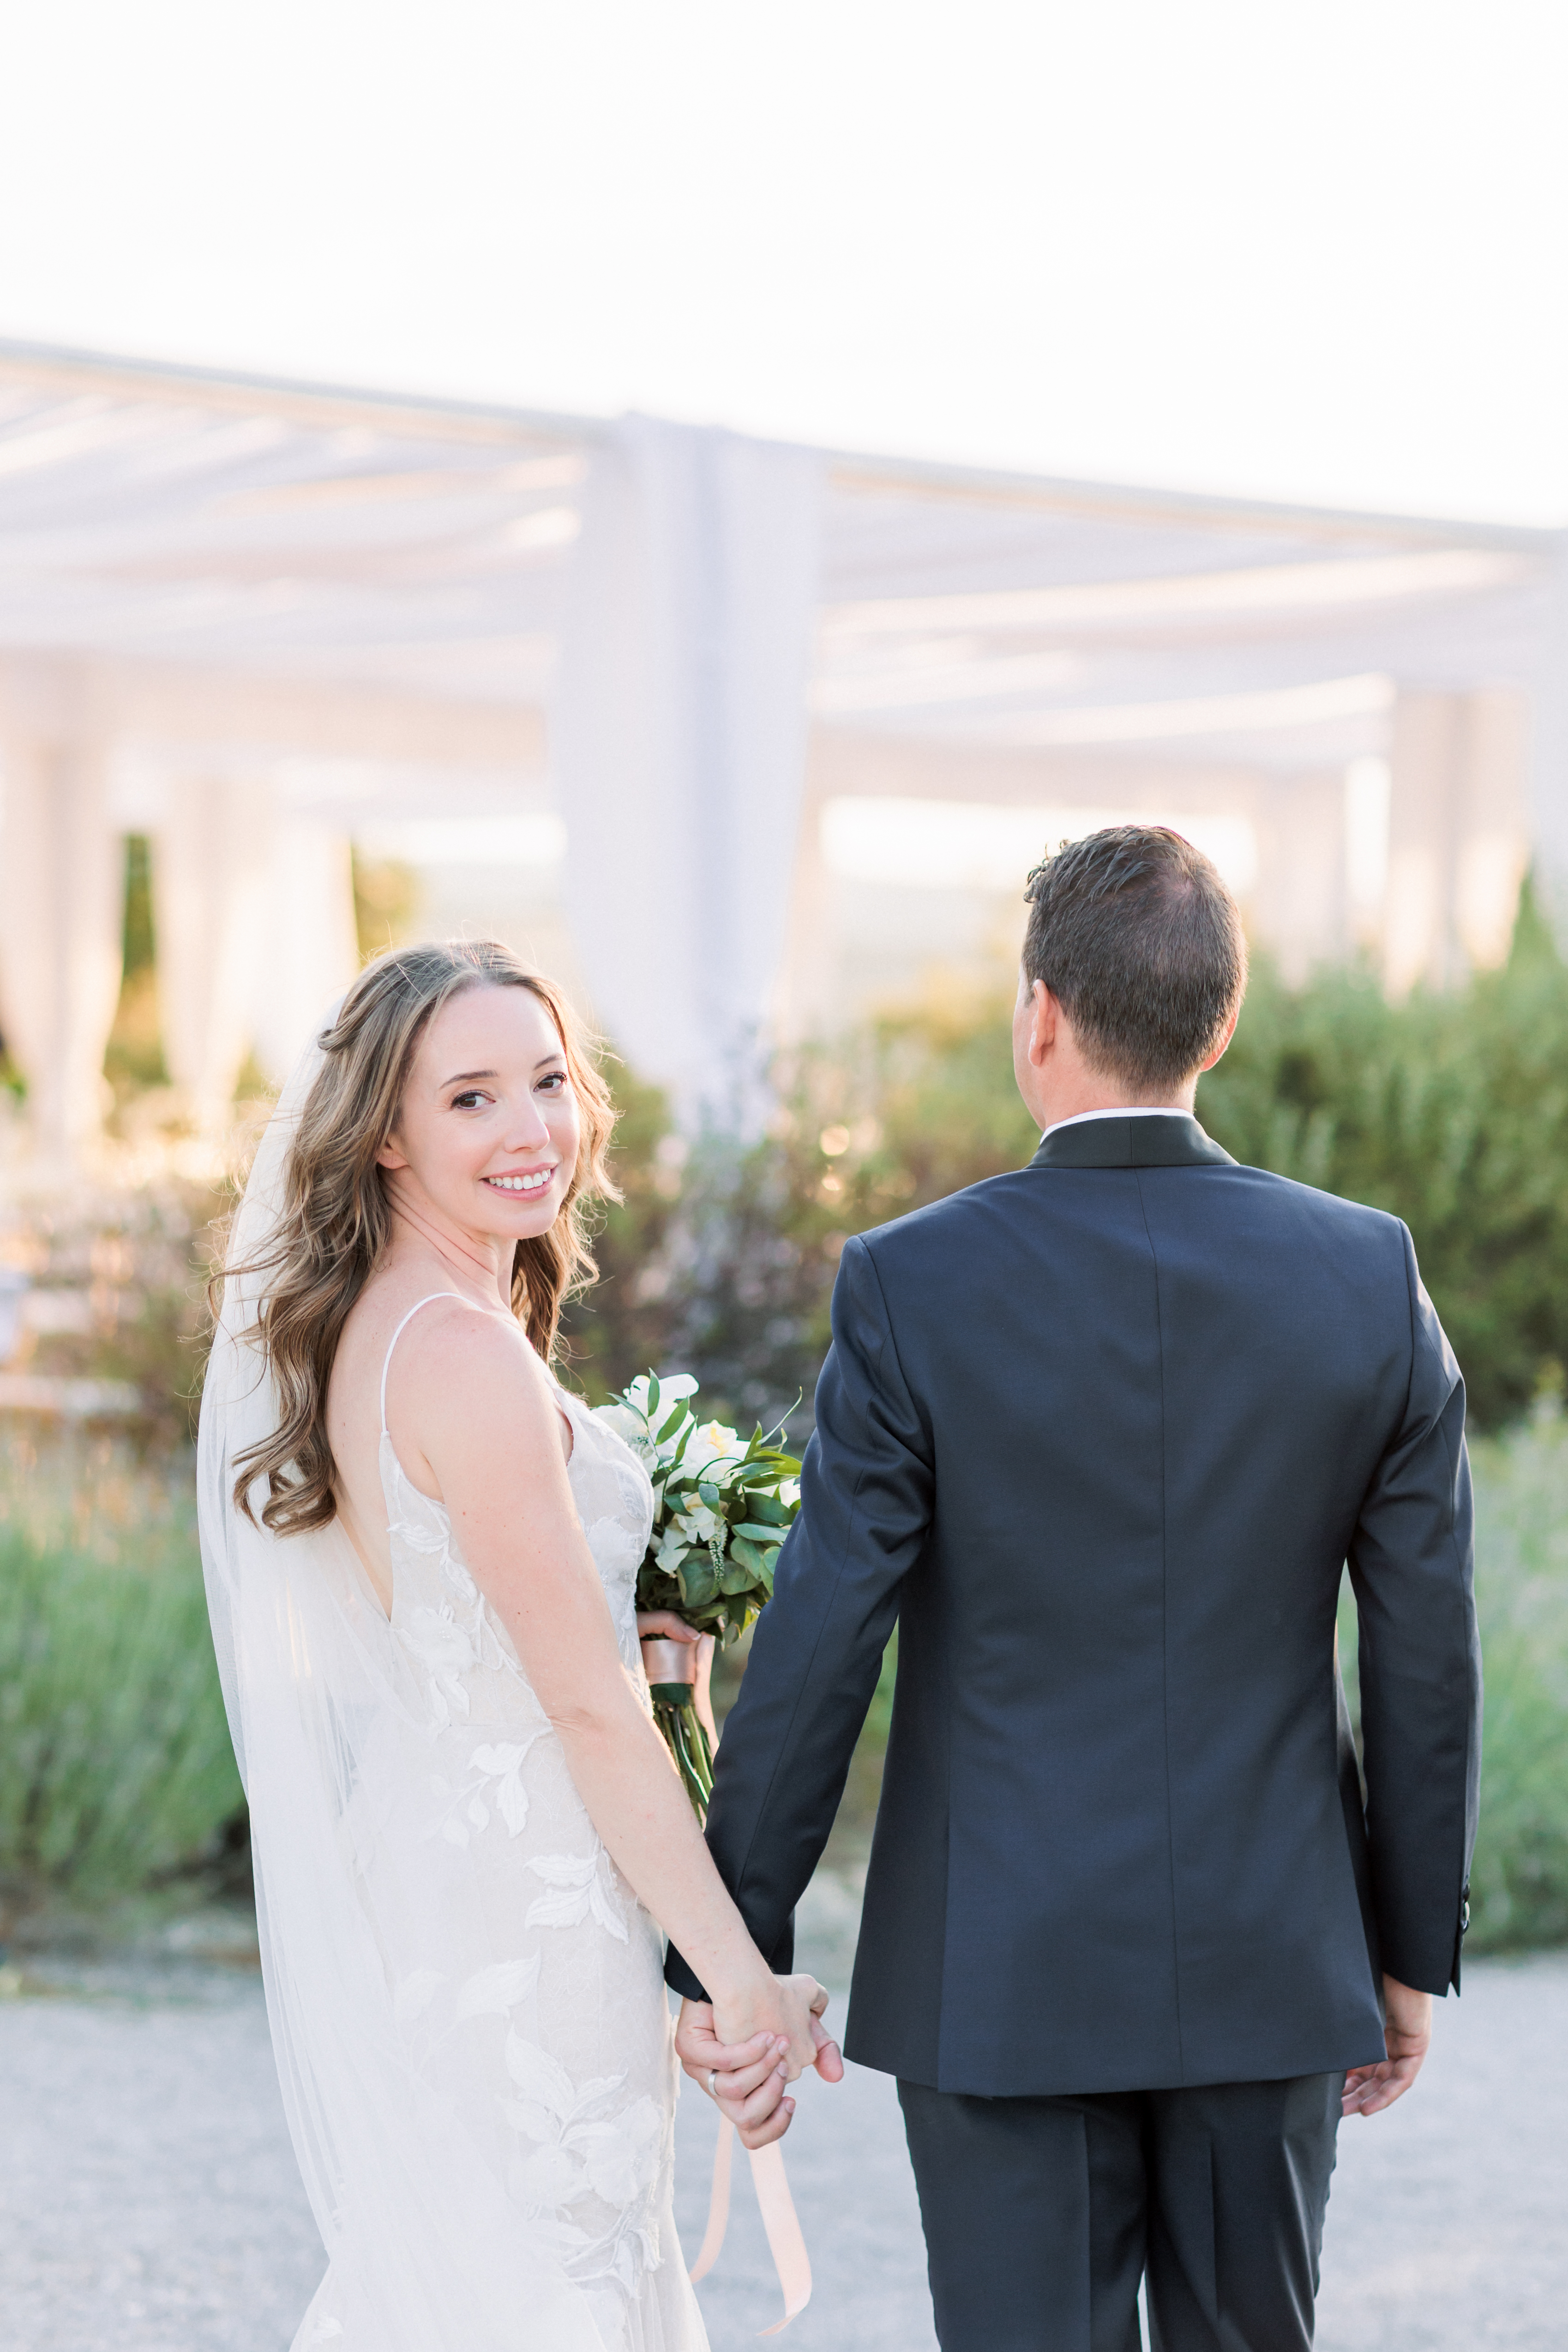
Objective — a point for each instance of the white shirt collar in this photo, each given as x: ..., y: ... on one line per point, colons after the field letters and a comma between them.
x: 1120, y: 1110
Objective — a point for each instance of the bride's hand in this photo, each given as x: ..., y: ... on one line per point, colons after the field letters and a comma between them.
x: 663, y: 1626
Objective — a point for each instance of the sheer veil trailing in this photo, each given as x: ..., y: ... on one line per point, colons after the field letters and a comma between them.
x: 385, y: 2030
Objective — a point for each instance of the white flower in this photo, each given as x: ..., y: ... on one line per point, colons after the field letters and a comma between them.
x: 674, y: 1389
x: 712, y: 1444
x: 672, y: 1546
x: 626, y: 1423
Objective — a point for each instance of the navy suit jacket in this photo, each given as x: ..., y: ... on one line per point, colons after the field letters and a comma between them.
x: 1101, y: 1436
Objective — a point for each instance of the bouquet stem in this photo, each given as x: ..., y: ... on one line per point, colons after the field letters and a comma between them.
x: 675, y: 1714
x: 672, y: 1670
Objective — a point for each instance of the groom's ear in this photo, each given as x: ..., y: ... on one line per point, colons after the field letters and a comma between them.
x: 1228, y: 1032
x: 1044, y: 1020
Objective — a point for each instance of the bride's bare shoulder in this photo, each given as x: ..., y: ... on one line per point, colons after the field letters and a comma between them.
x: 440, y: 1351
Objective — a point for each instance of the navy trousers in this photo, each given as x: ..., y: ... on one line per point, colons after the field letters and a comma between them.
x: 1042, y: 2214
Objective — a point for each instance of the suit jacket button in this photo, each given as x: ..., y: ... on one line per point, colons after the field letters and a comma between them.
x: 1464, y: 1918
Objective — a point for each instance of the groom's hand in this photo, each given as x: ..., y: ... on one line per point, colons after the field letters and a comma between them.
x: 829, y: 2060
x: 746, y: 2080
x: 1407, y: 2034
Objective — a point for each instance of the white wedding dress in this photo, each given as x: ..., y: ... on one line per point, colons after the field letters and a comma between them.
x: 466, y: 1998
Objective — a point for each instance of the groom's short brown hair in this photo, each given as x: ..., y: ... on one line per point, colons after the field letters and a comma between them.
x: 1135, y: 933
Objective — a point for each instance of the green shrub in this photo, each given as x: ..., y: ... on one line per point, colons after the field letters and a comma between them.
x: 115, y: 1764
x: 1519, y: 1887
x: 1451, y: 1112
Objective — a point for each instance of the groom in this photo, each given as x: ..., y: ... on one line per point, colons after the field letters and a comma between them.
x: 1100, y: 1437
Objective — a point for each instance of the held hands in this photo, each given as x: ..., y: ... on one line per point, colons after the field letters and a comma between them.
x: 746, y: 2071
x: 1407, y: 2032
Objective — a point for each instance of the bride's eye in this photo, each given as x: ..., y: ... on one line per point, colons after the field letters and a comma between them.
x: 554, y: 1081
x: 465, y: 1101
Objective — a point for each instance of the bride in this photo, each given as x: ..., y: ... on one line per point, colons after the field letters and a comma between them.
x: 421, y: 1554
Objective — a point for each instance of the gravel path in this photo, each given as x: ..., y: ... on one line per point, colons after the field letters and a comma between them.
x: 148, y: 2201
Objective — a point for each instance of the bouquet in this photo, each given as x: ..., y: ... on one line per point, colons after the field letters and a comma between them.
x: 722, y: 1506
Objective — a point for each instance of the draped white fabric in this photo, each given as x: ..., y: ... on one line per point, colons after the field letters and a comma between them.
x: 210, y: 871
x: 61, y: 909
x: 467, y: 2002
x: 680, y: 735
x: 310, y: 951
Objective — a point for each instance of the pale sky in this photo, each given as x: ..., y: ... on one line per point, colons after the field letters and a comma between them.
x: 1312, y: 251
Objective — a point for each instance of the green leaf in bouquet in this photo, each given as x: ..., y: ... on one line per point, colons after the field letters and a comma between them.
x: 757, y: 1531
x: 699, y: 1578
x: 770, y: 1510
x: 749, y: 1558
x: 657, y: 1588
x: 708, y: 1492
x: 735, y: 1577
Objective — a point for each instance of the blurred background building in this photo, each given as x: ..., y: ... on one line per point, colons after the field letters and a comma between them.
x: 736, y: 737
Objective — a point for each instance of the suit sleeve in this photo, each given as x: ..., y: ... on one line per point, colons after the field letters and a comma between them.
x: 866, y: 1488
x: 1411, y: 1564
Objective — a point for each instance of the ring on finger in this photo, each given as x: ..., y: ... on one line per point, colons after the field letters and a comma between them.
x: 713, y: 2082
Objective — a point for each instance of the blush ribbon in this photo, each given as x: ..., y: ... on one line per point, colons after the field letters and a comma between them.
x: 779, y: 2220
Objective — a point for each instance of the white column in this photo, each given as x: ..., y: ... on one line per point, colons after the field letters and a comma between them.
x: 1296, y: 906
x: 1457, y: 835
x: 1493, y: 854
x: 210, y: 862
x: 1548, y: 753
x: 679, y: 737
x: 310, y: 951
x: 62, y: 881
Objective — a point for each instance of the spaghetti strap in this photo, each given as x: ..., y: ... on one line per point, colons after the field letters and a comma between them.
x: 402, y: 1327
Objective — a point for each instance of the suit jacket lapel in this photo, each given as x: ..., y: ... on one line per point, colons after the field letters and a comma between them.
x: 1167, y: 1140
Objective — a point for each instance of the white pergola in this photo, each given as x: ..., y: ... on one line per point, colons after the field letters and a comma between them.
x: 255, y: 620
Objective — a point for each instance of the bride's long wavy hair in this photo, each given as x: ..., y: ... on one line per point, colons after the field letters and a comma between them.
x: 336, y: 1220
